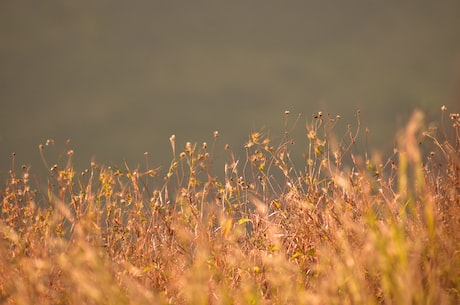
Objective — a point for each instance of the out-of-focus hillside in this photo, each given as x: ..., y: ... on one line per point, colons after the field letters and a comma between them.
x: 118, y: 78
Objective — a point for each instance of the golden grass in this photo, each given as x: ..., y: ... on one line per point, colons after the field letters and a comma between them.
x: 370, y: 232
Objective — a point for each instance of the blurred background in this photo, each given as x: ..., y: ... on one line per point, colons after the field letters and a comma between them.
x: 117, y: 78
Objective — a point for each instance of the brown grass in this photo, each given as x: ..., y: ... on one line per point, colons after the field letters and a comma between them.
x: 362, y: 231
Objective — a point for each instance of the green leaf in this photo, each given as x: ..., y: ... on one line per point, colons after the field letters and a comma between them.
x: 243, y: 220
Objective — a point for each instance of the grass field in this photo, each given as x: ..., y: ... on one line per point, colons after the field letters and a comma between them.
x: 344, y: 228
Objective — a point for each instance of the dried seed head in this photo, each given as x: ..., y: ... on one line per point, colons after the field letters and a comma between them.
x: 443, y: 108
x: 205, y: 145
x: 312, y: 134
x: 286, y: 112
x: 216, y: 134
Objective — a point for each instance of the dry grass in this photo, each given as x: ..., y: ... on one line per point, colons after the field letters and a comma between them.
x: 370, y: 232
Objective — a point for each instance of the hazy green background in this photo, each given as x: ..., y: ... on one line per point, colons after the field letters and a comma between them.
x: 119, y: 77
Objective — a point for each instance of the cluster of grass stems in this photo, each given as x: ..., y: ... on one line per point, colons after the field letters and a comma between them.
x: 343, y: 228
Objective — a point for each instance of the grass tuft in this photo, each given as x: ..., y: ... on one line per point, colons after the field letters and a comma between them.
x: 343, y: 228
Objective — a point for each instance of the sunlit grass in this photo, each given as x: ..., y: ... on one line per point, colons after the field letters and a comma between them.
x: 343, y: 228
